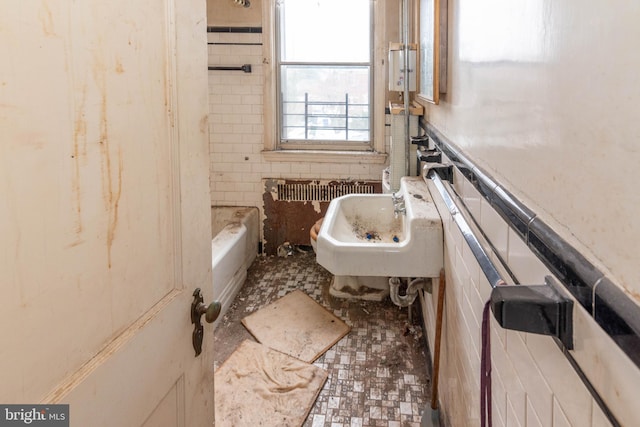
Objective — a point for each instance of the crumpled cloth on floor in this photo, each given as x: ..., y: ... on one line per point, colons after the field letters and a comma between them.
x: 258, y: 386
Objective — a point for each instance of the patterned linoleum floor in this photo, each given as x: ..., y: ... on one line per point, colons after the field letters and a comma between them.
x: 378, y: 373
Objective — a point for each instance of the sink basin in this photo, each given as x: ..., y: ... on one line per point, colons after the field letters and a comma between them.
x: 362, y: 236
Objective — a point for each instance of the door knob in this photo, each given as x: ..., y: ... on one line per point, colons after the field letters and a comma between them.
x: 211, y: 311
x: 198, y: 308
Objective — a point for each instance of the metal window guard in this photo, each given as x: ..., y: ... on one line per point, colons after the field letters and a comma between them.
x: 539, y: 309
x: 246, y: 68
x: 323, y: 116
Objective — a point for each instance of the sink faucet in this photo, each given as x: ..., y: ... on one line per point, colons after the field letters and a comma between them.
x: 398, y: 204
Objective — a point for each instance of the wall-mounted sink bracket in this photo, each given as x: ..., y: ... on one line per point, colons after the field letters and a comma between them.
x: 539, y: 309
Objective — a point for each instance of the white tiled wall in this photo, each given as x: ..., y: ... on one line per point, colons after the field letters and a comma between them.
x: 533, y: 383
x: 237, y: 130
x: 235, y: 120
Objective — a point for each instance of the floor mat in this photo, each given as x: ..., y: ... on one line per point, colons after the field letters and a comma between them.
x: 257, y: 386
x: 296, y: 325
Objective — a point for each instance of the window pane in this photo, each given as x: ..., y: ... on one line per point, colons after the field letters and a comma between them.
x: 324, y: 30
x: 325, y: 103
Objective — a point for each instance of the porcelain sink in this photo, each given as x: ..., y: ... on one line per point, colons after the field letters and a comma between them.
x: 362, y: 236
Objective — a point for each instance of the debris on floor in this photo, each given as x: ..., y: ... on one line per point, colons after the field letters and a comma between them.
x: 378, y: 373
x: 285, y: 250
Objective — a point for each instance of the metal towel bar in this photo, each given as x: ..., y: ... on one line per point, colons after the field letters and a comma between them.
x: 489, y: 270
x: 246, y: 68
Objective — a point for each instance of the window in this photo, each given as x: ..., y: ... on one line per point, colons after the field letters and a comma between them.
x: 324, y: 74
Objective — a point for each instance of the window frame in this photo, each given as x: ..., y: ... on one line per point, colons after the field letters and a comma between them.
x: 372, y: 152
x: 323, y: 144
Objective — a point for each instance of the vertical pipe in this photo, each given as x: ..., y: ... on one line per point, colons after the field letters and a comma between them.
x: 405, y: 41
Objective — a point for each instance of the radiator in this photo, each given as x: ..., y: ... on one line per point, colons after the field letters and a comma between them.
x: 291, y: 207
x: 316, y: 192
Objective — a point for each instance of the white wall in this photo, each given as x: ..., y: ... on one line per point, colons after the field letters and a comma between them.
x: 228, y: 12
x: 235, y: 121
x: 544, y: 96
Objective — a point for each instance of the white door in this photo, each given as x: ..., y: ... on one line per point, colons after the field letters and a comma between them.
x: 104, y: 209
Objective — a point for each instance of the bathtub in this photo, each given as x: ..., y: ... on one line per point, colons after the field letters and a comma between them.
x: 234, y: 246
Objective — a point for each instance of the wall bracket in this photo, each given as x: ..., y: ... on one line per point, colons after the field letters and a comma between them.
x: 539, y: 309
x: 445, y: 172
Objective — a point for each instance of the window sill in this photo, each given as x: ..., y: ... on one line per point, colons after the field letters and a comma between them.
x: 320, y: 156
